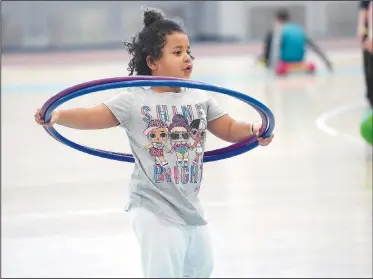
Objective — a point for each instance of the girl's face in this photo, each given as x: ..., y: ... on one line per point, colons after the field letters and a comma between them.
x: 158, y: 135
x: 179, y: 134
x: 175, y: 60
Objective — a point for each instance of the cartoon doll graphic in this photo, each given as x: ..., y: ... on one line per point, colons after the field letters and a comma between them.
x: 179, y: 136
x: 157, y: 133
x: 197, y: 132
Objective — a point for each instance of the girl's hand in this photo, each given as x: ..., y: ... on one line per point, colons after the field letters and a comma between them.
x: 54, y: 118
x: 262, y: 141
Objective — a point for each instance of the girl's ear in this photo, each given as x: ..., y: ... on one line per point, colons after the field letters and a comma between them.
x: 151, y: 64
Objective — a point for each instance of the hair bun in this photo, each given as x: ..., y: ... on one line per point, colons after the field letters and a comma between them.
x: 151, y: 16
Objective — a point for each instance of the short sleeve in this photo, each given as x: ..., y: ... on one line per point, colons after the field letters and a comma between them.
x: 214, y: 111
x: 120, y: 106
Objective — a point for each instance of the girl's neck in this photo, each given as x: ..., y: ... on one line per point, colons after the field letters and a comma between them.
x: 163, y: 89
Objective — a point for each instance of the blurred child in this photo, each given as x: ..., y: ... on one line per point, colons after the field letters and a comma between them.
x: 287, y: 43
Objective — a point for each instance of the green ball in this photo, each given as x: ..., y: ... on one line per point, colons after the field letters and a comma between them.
x: 366, y: 127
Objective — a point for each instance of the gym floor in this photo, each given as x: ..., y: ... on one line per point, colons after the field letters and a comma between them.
x: 301, y: 207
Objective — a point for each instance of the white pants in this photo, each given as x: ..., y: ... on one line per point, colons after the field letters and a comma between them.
x: 171, y: 250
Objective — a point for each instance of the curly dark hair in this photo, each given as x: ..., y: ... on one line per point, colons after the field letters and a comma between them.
x: 150, y: 41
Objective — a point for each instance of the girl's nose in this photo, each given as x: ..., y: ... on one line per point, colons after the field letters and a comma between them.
x: 187, y: 58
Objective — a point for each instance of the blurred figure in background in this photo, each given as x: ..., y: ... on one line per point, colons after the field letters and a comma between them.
x: 364, y: 31
x: 287, y: 43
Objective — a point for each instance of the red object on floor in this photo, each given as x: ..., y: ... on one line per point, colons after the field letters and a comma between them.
x: 311, y: 67
x: 284, y: 68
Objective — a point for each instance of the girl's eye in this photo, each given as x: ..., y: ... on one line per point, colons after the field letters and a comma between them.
x: 179, y: 52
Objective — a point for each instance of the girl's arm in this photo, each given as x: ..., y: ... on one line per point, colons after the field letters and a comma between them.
x: 97, y: 117
x: 228, y: 129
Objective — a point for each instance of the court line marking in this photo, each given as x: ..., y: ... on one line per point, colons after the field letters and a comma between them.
x: 321, y: 121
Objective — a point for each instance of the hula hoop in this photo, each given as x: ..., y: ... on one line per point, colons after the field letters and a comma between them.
x: 268, y: 121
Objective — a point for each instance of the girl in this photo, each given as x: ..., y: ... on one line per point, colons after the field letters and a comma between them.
x: 166, y: 213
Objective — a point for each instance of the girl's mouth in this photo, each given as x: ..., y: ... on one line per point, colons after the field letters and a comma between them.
x: 188, y: 69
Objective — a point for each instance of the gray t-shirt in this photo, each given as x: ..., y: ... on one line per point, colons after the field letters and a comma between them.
x: 167, y: 133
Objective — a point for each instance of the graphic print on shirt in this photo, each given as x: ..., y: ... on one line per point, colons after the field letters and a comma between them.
x: 157, y: 133
x: 179, y: 137
x: 197, y: 130
x: 176, y: 136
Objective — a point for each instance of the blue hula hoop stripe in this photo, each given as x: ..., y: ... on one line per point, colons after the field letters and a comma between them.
x: 268, y: 120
